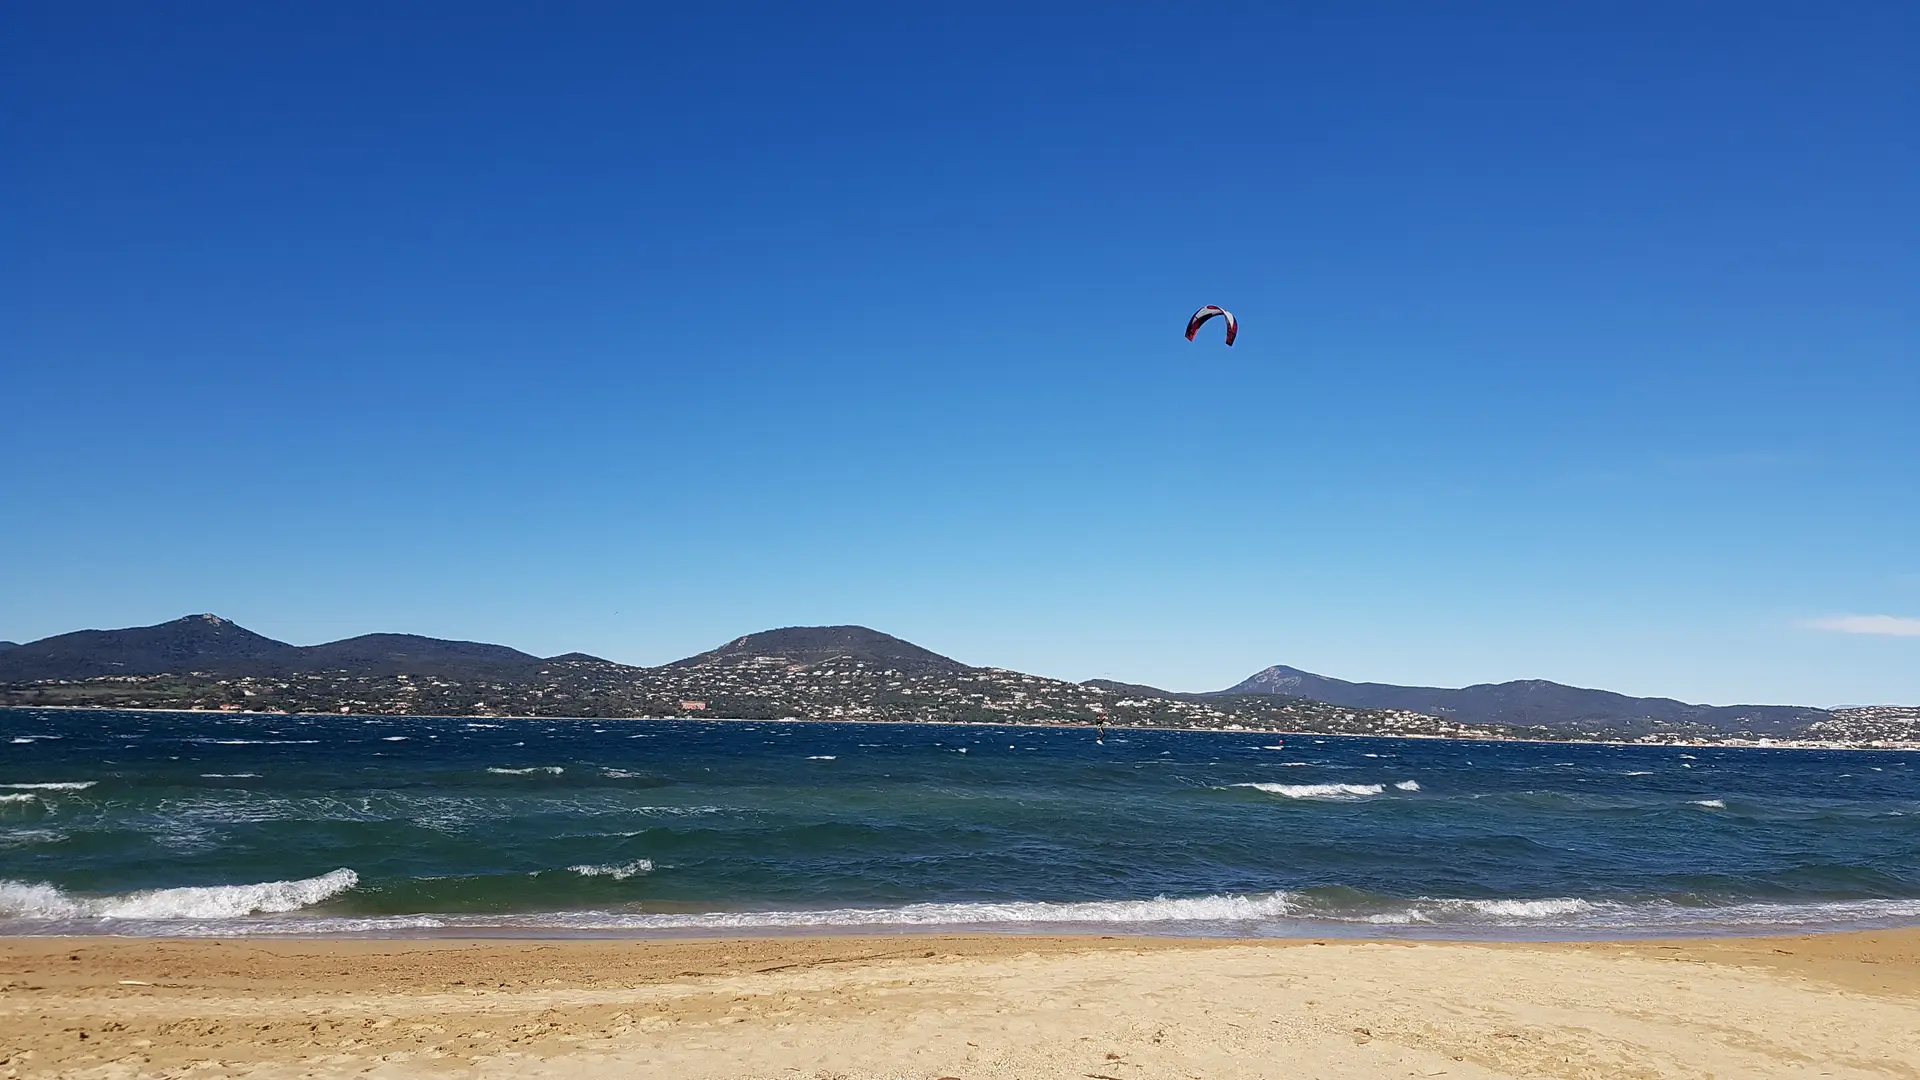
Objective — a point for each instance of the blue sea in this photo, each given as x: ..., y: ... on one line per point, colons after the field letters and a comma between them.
x: 209, y: 824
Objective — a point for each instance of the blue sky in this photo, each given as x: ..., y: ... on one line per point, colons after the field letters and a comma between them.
x: 1577, y: 341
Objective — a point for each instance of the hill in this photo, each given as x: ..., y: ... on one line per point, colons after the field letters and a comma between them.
x: 220, y: 647
x: 1532, y: 703
x: 837, y: 673
x: 193, y: 643
x: 816, y: 644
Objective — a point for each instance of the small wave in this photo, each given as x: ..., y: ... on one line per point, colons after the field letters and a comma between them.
x: 618, y: 872
x: 22, y: 798
x: 30, y: 837
x: 229, y: 775
x: 1639, y: 772
x: 553, y: 770
x: 1521, y: 909
x: 484, y: 725
x: 20, y: 900
x: 1711, y: 804
x: 1273, y: 748
x: 22, y: 740
x: 1318, y: 791
x: 395, y: 738
x: 67, y: 785
x: 833, y: 757
x: 1408, y: 785
x: 258, y: 742
x: 620, y: 774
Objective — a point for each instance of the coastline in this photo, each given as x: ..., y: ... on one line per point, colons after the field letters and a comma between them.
x: 1076, y: 726
x: 976, y: 1007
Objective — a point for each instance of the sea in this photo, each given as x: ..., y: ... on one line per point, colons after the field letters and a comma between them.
x: 197, y: 824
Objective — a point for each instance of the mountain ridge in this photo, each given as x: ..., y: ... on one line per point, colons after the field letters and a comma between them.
x: 822, y: 672
x: 1524, y: 702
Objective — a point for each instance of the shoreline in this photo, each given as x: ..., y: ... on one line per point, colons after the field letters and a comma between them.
x: 1076, y: 726
x: 968, y: 1006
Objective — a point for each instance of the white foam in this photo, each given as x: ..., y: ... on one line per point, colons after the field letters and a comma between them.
x: 834, y: 757
x: 1712, y: 804
x: 1523, y: 909
x: 69, y: 785
x: 1317, y: 791
x: 229, y: 775
x: 395, y: 738
x: 1273, y: 748
x: 259, y: 742
x: 18, y: 798
x: 13, y: 838
x: 1408, y: 785
x: 21, y: 900
x: 618, y: 872
x: 1639, y: 772
x: 1274, y: 914
x: 554, y: 770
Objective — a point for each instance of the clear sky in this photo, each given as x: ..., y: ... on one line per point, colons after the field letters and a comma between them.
x: 1578, y: 341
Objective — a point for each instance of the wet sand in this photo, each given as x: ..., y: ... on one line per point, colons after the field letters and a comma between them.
x: 976, y: 1007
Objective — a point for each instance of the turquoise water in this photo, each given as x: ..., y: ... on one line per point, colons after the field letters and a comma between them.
x: 152, y: 823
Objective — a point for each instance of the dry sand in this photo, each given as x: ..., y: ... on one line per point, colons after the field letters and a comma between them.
x: 972, y: 1007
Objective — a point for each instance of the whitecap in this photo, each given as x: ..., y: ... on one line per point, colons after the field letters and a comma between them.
x: 395, y: 738
x: 229, y: 775
x: 1317, y: 791
x: 21, y: 900
x: 1639, y: 772
x: 65, y: 785
x: 30, y: 837
x: 618, y: 872
x: 833, y: 757
x: 1408, y: 785
x: 23, y: 798
x: 259, y: 742
x: 553, y: 770
x: 1712, y: 804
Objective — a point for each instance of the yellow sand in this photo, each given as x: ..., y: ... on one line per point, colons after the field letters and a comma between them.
x: 972, y: 1008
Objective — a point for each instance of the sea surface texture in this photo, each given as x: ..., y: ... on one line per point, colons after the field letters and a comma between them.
x: 196, y: 824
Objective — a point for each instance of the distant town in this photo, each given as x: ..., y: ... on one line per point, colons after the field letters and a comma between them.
x: 834, y: 673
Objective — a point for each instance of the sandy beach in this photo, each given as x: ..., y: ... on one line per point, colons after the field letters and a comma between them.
x: 973, y: 1007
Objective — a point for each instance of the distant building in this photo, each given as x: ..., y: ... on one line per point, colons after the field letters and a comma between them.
x: 693, y: 706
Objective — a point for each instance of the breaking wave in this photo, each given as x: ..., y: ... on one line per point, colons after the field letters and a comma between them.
x: 22, y: 900
x: 68, y: 785
x: 616, y: 871
x: 554, y: 770
x: 1318, y: 791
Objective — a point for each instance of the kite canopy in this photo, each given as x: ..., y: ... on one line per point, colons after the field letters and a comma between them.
x: 1208, y: 312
